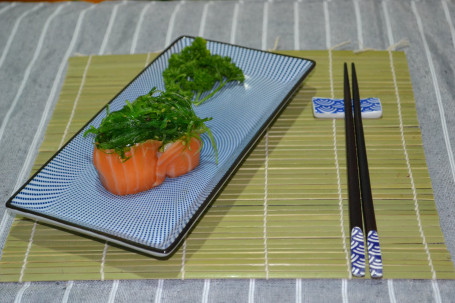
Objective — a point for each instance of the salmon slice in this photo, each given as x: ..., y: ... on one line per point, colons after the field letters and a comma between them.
x: 134, y: 175
x: 178, y: 159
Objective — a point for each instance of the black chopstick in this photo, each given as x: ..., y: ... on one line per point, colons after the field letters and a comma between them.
x: 355, y: 207
x: 374, y: 250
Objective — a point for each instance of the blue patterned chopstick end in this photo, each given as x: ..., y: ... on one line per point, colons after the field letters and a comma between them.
x: 374, y: 254
x: 357, y: 252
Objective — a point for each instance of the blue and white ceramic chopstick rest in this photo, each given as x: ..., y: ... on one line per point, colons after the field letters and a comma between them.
x: 334, y: 108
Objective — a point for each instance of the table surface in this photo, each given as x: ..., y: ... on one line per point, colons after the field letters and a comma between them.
x: 37, y: 39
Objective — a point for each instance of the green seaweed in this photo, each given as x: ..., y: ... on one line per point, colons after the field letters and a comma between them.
x: 195, y: 70
x: 162, y: 116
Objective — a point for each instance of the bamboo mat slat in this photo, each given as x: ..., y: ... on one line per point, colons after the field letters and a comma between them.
x: 284, y: 214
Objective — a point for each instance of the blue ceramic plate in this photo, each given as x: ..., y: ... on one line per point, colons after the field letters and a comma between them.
x: 66, y: 191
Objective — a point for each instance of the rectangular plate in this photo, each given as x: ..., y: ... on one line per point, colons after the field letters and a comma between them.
x: 66, y: 191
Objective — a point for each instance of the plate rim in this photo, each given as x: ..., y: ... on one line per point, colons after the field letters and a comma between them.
x: 158, y: 252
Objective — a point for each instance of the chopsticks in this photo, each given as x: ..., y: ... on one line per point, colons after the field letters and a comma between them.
x: 355, y: 206
x: 361, y: 209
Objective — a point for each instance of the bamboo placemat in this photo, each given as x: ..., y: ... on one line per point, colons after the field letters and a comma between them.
x: 284, y: 214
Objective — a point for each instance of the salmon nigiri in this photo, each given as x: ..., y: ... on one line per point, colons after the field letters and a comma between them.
x: 136, y: 174
x: 154, y: 137
x: 178, y: 159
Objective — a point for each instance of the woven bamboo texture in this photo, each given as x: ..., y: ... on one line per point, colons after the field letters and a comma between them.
x: 284, y: 214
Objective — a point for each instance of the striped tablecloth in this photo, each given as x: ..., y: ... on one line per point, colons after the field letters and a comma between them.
x: 37, y: 40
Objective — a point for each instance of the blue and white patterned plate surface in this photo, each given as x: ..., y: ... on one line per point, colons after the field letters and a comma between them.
x: 68, y: 193
x: 334, y: 108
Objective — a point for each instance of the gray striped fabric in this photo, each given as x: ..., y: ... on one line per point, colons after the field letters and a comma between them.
x: 36, y: 40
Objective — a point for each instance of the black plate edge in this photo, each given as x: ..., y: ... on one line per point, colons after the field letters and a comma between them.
x: 232, y: 169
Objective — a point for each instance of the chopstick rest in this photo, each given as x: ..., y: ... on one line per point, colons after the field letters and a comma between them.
x: 355, y: 208
x: 374, y: 250
x: 328, y: 108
